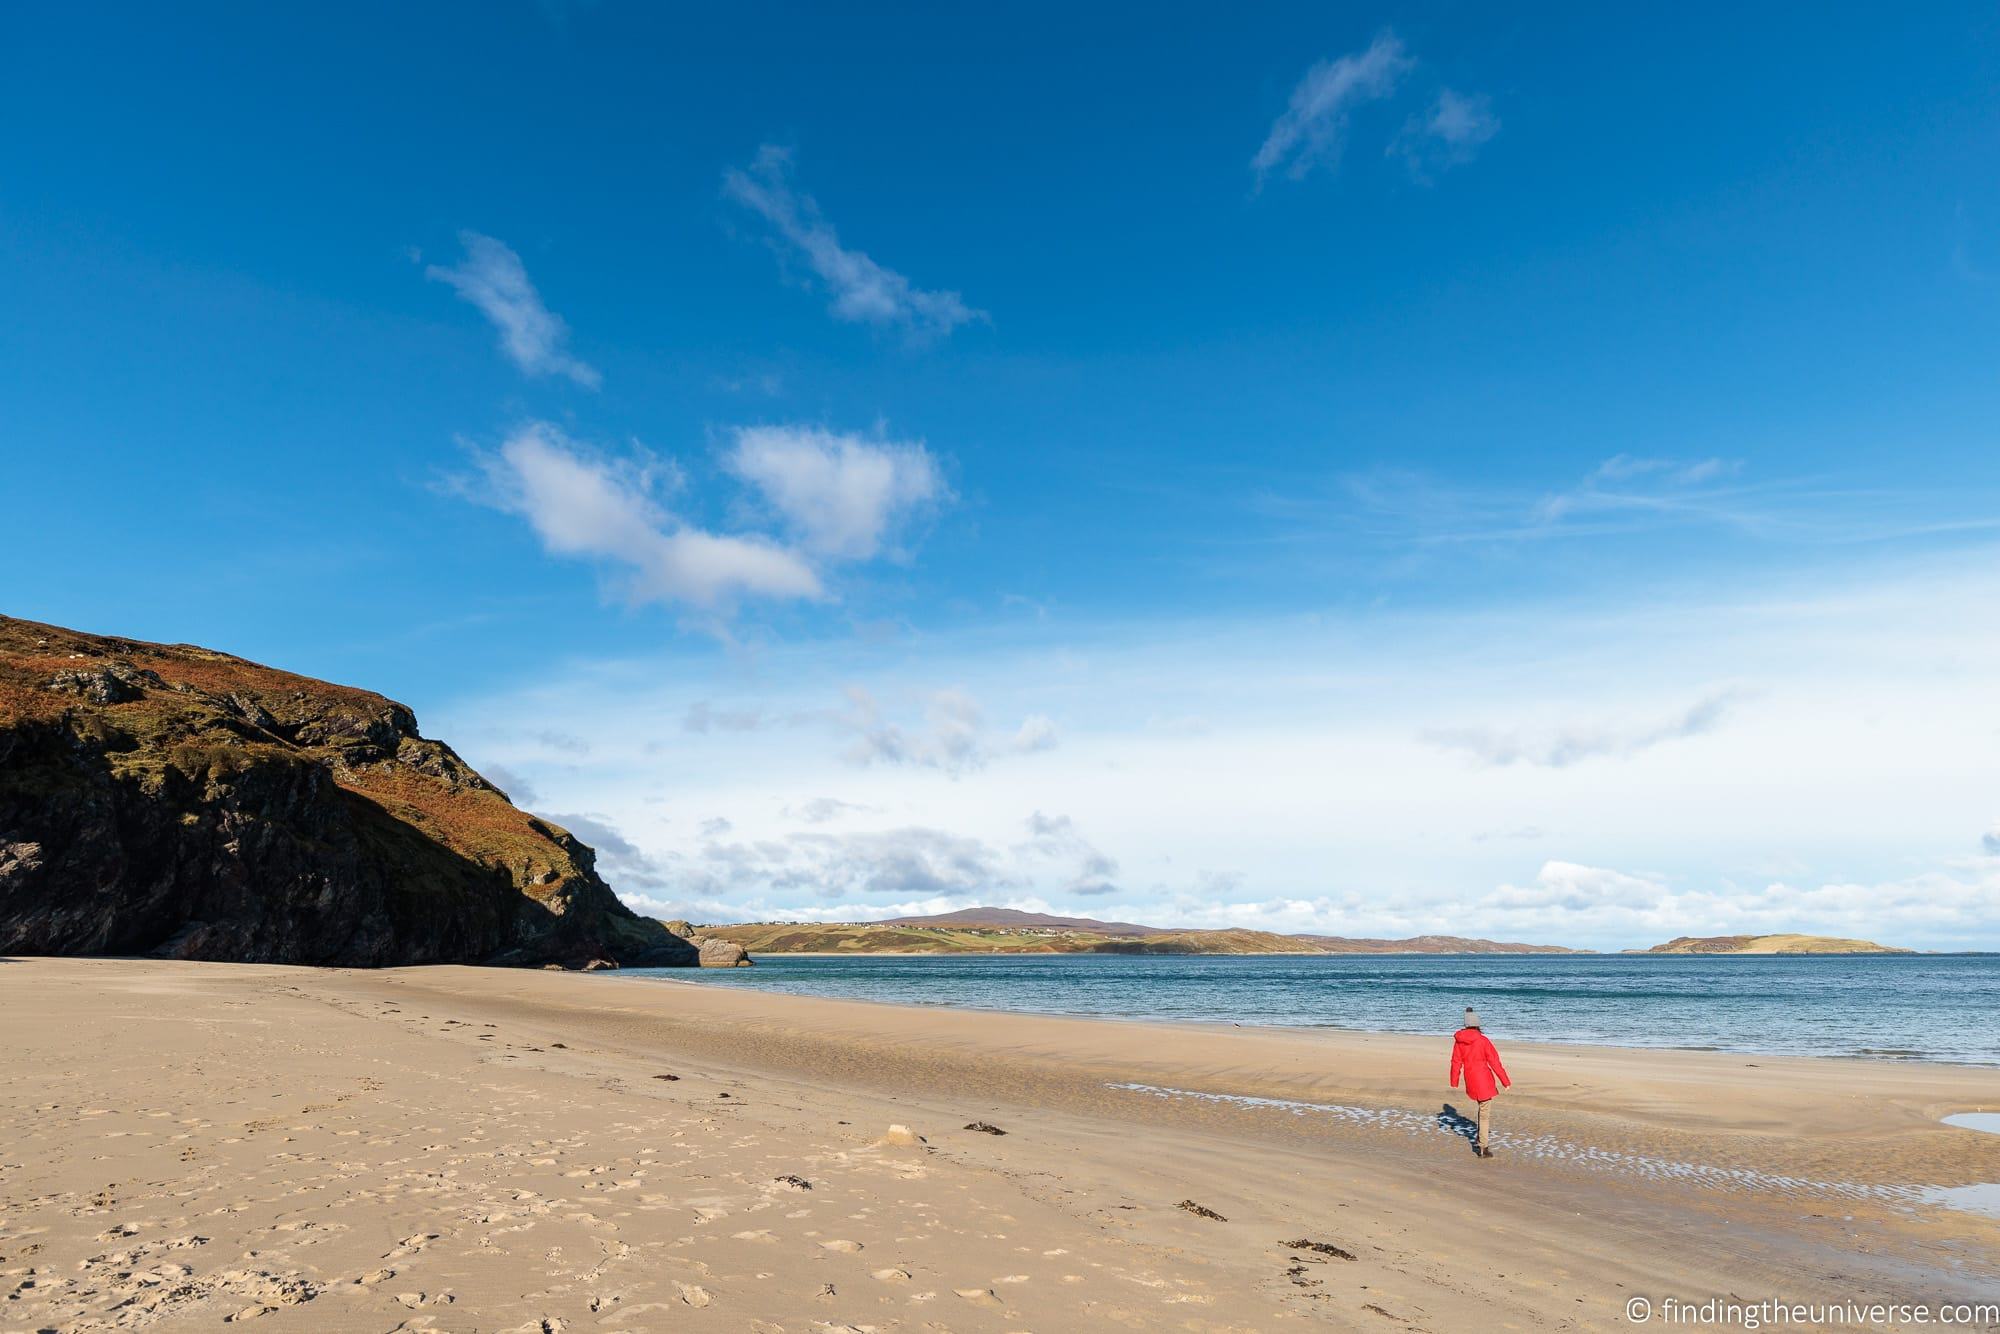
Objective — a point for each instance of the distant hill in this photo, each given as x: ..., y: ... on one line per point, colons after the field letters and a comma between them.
x: 1014, y: 917
x: 1776, y: 944
x: 1010, y: 931
x: 890, y: 938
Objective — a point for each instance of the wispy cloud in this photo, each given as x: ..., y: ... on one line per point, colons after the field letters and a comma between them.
x: 1990, y: 840
x: 823, y: 810
x: 839, y: 494
x: 864, y: 292
x: 492, y: 278
x: 914, y: 860
x: 1624, y: 496
x: 1313, y: 127
x: 951, y: 737
x: 1055, y: 838
x: 1594, y: 902
x: 836, y: 498
x: 704, y: 717
x: 1561, y: 747
x: 1623, y: 482
x: 1447, y: 134
x: 1054, y: 860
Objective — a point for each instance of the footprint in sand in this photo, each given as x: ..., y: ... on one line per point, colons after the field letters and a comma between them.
x: 892, y: 1275
x: 693, y: 1294
x: 978, y: 1296
x: 843, y: 1246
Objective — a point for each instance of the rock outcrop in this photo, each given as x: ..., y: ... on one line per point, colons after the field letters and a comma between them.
x: 169, y: 800
x: 715, y: 951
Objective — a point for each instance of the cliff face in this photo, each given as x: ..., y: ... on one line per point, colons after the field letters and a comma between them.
x: 164, y: 799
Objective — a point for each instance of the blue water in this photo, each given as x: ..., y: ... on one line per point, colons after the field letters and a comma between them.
x: 1935, y: 1008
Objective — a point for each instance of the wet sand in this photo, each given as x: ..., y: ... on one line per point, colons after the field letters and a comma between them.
x: 464, y: 1149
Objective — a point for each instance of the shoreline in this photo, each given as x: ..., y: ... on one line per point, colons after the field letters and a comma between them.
x: 1171, y: 1026
x: 738, y: 981
x: 1292, y: 1044
x: 1374, y: 954
x: 491, y: 1148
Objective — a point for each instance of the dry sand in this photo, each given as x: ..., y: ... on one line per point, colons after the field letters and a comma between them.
x: 184, y: 1145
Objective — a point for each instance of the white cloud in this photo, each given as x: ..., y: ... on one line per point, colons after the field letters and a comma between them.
x: 952, y: 736
x: 581, y: 504
x: 1447, y: 134
x: 1592, y: 903
x: 705, y: 717
x: 1313, y: 126
x: 1838, y: 793
x: 1990, y: 841
x: 492, y: 278
x: 840, y: 494
x: 912, y: 860
x: 838, y: 498
x: 863, y: 291
x: 1037, y: 731
x: 822, y: 810
x: 853, y: 865
x: 948, y: 740
x: 1563, y: 746
x: 1055, y: 838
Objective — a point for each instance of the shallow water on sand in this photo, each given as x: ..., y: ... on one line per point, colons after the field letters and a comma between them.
x: 1982, y: 1198
x: 1900, y: 1007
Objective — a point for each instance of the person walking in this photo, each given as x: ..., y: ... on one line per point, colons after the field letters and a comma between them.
x: 1473, y: 1055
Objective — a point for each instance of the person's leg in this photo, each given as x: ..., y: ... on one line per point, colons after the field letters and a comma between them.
x: 1482, y: 1143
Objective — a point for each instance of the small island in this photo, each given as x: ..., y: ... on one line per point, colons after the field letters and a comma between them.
x: 1773, y: 944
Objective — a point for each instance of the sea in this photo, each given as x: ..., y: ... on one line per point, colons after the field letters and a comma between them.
x: 1887, y: 1007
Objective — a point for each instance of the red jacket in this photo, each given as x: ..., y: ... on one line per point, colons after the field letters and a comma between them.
x: 1472, y: 1052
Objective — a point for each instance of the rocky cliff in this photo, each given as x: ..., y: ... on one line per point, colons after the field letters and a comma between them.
x: 165, y: 799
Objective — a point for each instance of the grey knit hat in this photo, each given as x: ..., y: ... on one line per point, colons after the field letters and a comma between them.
x: 1471, y: 1017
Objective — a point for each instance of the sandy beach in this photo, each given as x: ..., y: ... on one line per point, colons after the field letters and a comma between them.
x: 470, y: 1150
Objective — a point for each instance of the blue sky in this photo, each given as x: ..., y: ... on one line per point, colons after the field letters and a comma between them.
x: 1367, y: 470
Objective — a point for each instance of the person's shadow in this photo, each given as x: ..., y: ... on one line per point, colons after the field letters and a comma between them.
x: 1450, y: 1121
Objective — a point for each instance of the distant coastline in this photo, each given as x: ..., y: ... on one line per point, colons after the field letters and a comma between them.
x: 1007, y: 931
x: 1012, y: 932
